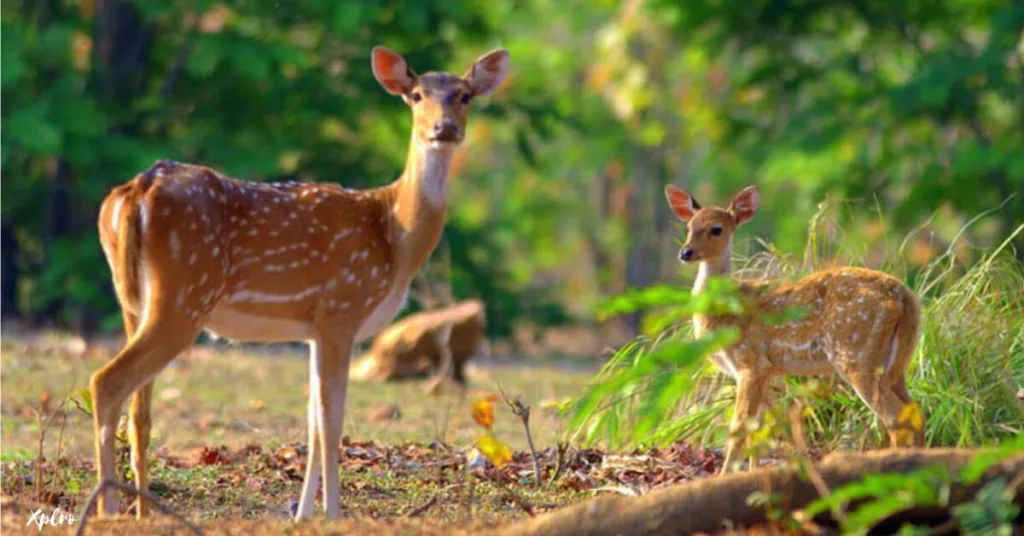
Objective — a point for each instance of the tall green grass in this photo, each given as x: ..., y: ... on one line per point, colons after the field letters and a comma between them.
x: 967, y: 373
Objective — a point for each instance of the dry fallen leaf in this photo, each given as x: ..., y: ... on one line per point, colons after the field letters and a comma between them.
x: 385, y: 413
x: 483, y: 413
x: 497, y: 452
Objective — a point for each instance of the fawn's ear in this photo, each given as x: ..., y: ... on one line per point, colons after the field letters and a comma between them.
x: 684, y: 206
x: 391, y: 70
x: 487, y: 72
x: 744, y: 204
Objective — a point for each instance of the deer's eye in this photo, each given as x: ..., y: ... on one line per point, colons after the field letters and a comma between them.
x: 716, y: 231
x: 465, y: 98
x: 416, y: 97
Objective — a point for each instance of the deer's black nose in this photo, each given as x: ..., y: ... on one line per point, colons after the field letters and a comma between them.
x: 446, y: 130
x: 685, y: 254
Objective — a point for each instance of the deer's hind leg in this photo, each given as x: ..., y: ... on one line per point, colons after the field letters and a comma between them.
x: 876, y: 390
x: 864, y: 356
x: 899, y: 388
x: 139, y: 425
x: 163, y: 331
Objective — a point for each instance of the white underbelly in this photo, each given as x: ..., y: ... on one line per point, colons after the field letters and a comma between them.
x: 232, y: 324
x: 383, y: 314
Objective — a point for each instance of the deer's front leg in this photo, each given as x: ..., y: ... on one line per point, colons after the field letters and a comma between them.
x: 313, y: 470
x: 749, y: 391
x: 331, y: 355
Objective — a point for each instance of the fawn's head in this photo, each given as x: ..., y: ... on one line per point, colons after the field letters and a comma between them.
x: 439, y: 101
x: 710, y: 229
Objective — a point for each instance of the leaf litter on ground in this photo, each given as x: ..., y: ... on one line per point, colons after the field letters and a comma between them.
x: 382, y: 481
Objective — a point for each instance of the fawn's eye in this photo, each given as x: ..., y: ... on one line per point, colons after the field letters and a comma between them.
x: 716, y: 231
x: 465, y: 98
x: 416, y: 97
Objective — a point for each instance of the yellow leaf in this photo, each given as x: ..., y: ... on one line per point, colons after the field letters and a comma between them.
x: 904, y: 438
x: 495, y: 451
x: 910, y: 415
x: 483, y: 413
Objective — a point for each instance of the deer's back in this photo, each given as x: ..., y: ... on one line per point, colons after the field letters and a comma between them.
x: 844, y: 310
x: 255, y: 251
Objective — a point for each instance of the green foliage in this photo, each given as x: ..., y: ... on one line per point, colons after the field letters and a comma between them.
x: 260, y: 90
x: 992, y: 511
x: 912, y: 107
x: 645, y: 381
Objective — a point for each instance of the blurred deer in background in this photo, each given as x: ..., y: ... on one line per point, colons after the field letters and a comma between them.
x: 440, y: 340
x: 191, y: 249
x: 861, y: 324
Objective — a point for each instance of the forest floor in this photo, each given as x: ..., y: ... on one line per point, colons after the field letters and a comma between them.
x: 229, y: 436
x: 229, y: 449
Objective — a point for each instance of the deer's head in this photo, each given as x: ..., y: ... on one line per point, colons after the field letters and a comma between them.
x: 439, y: 101
x: 710, y: 229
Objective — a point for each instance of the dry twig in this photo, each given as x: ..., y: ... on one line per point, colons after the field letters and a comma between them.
x: 797, y: 429
x: 43, y: 427
x: 523, y: 412
x: 153, y: 500
x: 518, y: 500
x: 417, y: 511
x: 60, y: 443
x: 563, y: 449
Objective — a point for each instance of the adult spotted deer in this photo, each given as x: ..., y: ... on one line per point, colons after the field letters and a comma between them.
x: 858, y: 323
x: 191, y: 249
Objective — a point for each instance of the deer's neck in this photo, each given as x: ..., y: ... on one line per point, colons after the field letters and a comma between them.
x: 706, y: 270
x: 419, y: 206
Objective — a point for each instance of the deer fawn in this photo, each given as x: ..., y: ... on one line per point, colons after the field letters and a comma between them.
x: 861, y: 324
x: 191, y: 249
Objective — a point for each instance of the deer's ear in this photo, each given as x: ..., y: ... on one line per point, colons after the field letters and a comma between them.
x: 744, y: 204
x: 683, y: 205
x: 392, y: 71
x: 487, y: 72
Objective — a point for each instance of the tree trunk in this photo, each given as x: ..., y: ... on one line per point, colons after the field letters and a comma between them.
x: 638, y: 225
x: 57, y: 226
x: 706, y: 505
x: 8, y: 272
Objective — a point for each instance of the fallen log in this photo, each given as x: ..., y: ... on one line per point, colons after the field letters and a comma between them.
x: 715, y: 503
x: 426, y: 342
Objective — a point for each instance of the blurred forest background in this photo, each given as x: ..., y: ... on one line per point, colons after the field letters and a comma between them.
x: 907, y: 116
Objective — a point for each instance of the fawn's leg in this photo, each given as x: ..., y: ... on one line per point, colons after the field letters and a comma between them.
x: 876, y: 392
x: 154, y: 345
x: 313, y: 470
x: 749, y: 390
x: 764, y: 394
x: 332, y: 356
x: 899, y: 388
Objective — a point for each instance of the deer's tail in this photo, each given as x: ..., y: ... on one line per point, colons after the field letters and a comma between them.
x: 906, y: 337
x: 129, y: 252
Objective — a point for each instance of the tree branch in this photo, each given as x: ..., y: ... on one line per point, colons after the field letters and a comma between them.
x: 703, y: 505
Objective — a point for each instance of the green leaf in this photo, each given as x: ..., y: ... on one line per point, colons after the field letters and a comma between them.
x: 84, y: 398
x: 347, y: 17
x: 30, y: 126
x: 204, y: 58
